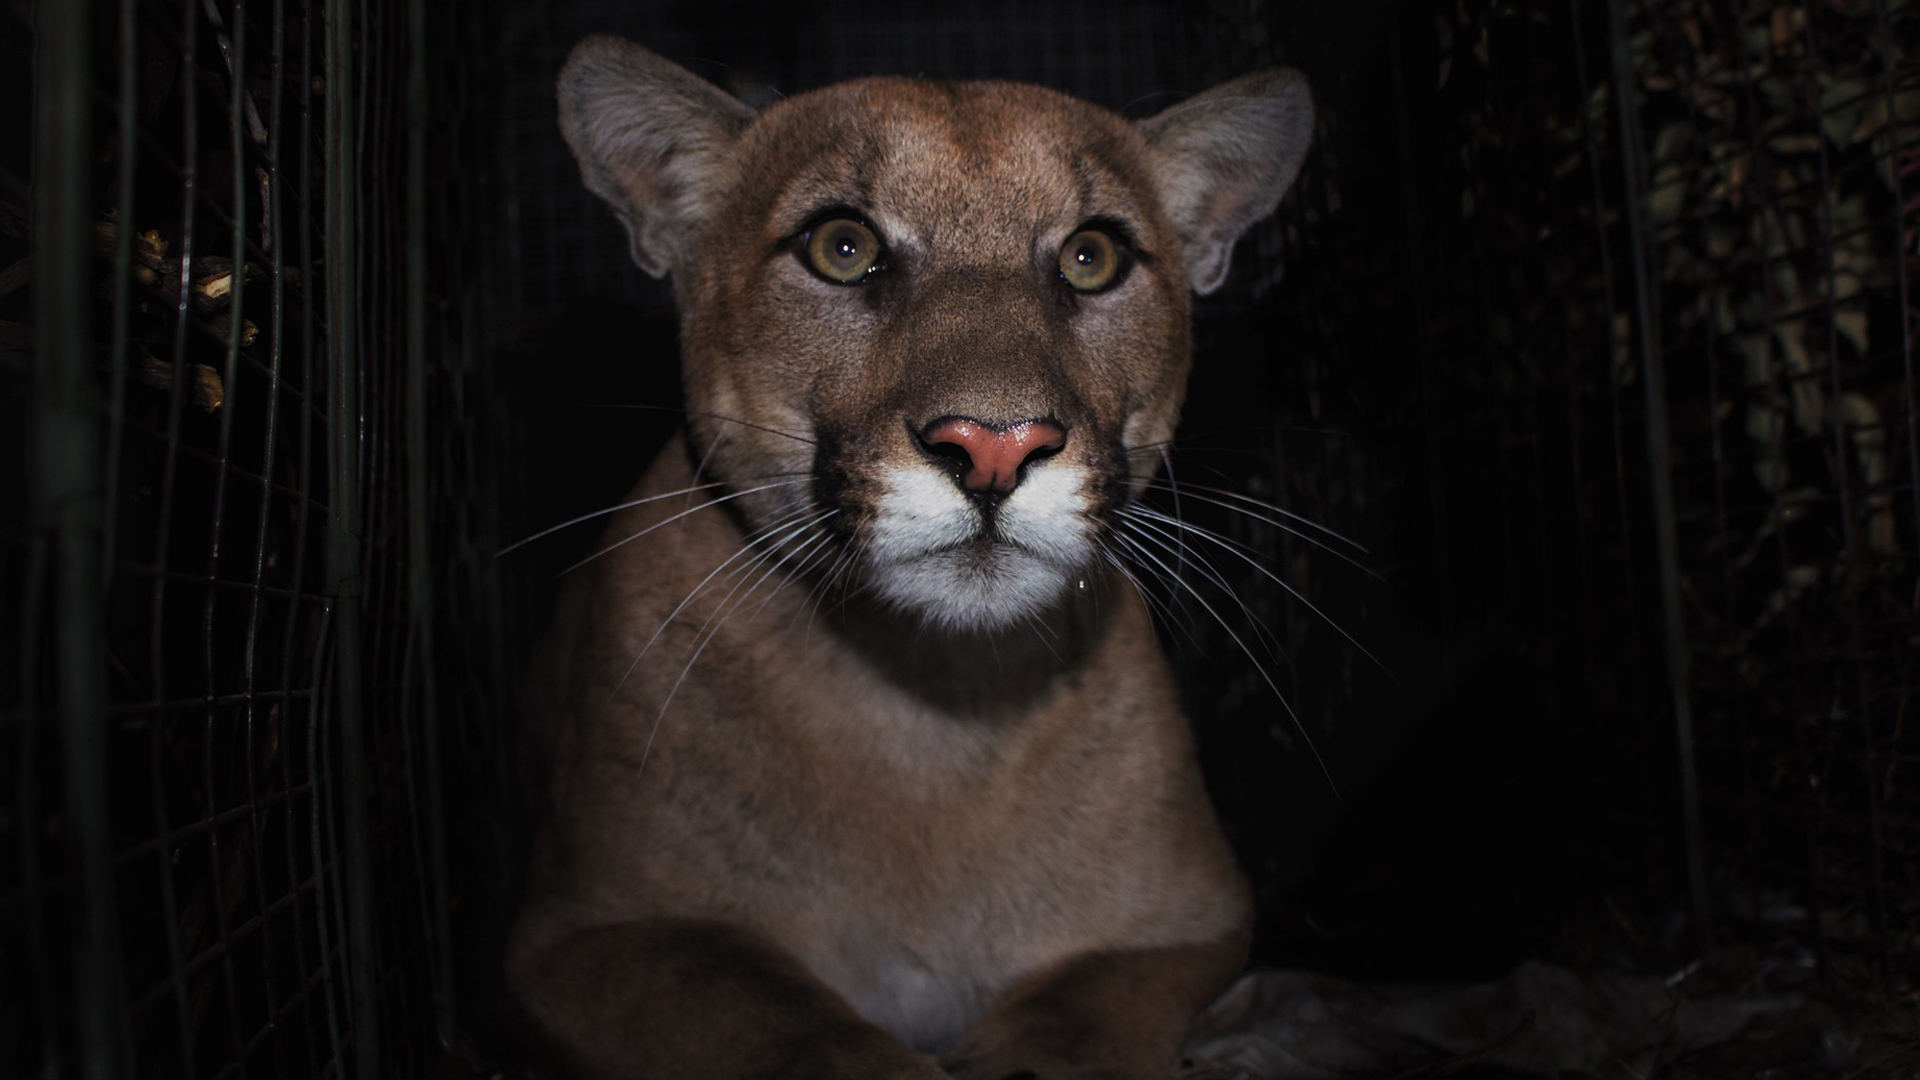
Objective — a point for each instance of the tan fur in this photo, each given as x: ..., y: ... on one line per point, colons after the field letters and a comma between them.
x: 864, y: 793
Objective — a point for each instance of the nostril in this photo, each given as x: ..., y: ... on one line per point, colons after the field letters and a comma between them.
x: 1040, y: 438
x: 991, y: 457
x: 952, y: 451
x: 953, y: 439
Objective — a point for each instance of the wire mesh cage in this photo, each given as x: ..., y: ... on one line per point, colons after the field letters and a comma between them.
x: 1593, y: 320
x: 222, y: 783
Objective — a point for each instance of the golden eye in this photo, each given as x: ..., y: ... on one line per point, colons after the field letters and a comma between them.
x: 842, y: 250
x: 1090, y: 260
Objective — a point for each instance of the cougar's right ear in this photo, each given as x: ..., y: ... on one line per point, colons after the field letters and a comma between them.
x: 651, y: 139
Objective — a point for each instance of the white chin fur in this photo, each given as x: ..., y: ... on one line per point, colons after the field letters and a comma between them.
x: 923, y: 556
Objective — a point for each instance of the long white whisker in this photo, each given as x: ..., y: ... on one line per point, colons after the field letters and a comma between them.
x: 709, y: 504
x: 1153, y: 602
x: 1189, y: 464
x: 777, y: 525
x: 698, y: 412
x: 1211, y: 572
x: 1145, y: 528
x: 699, y: 470
x: 706, y: 459
x: 710, y: 634
x: 1192, y: 441
x: 1142, y: 551
x: 861, y: 585
x: 772, y: 558
x: 1236, y: 497
x: 1190, y: 489
x: 1045, y: 636
x: 1174, y: 546
x: 1242, y: 552
x: 551, y: 529
x: 1172, y: 485
x: 812, y: 550
x: 818, y: 594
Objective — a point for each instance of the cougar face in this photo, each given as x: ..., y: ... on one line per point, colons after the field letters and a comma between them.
x: 960, y: 308
x: 965, y: 315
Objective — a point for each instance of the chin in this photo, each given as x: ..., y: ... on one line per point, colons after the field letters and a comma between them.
x: 974, y: 589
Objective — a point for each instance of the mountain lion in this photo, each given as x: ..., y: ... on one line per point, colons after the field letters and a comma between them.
x: 865, y: 761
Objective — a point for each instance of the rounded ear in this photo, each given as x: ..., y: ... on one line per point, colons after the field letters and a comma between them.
x: 651, y: 138
x: 1222, y: 159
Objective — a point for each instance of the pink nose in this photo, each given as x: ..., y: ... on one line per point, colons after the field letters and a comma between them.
x: 993, y: 455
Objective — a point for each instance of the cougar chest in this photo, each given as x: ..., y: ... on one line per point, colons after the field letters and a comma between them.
x: 970, y: 860
x: 954, y: 938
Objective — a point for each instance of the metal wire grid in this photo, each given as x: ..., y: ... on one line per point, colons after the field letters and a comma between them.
x: 1482, y: 322
x: 212, y: 809
x: 1776, y: 167
x: 1680, y: 246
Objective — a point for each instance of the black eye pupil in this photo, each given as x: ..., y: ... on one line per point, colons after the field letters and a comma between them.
x: 847, y: 249
x: 1086, y: 256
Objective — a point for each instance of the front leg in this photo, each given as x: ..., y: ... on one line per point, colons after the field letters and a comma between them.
x: 680, y: 998
x: 1103, y: 1016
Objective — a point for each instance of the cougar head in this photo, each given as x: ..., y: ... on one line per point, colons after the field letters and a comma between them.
x: 959, y: 311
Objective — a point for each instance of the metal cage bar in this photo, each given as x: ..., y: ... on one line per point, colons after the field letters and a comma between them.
x: 68, y: 516
x: 216, y: 846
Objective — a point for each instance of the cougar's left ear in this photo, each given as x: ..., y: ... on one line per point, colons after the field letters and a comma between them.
x: 1223, y: 158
